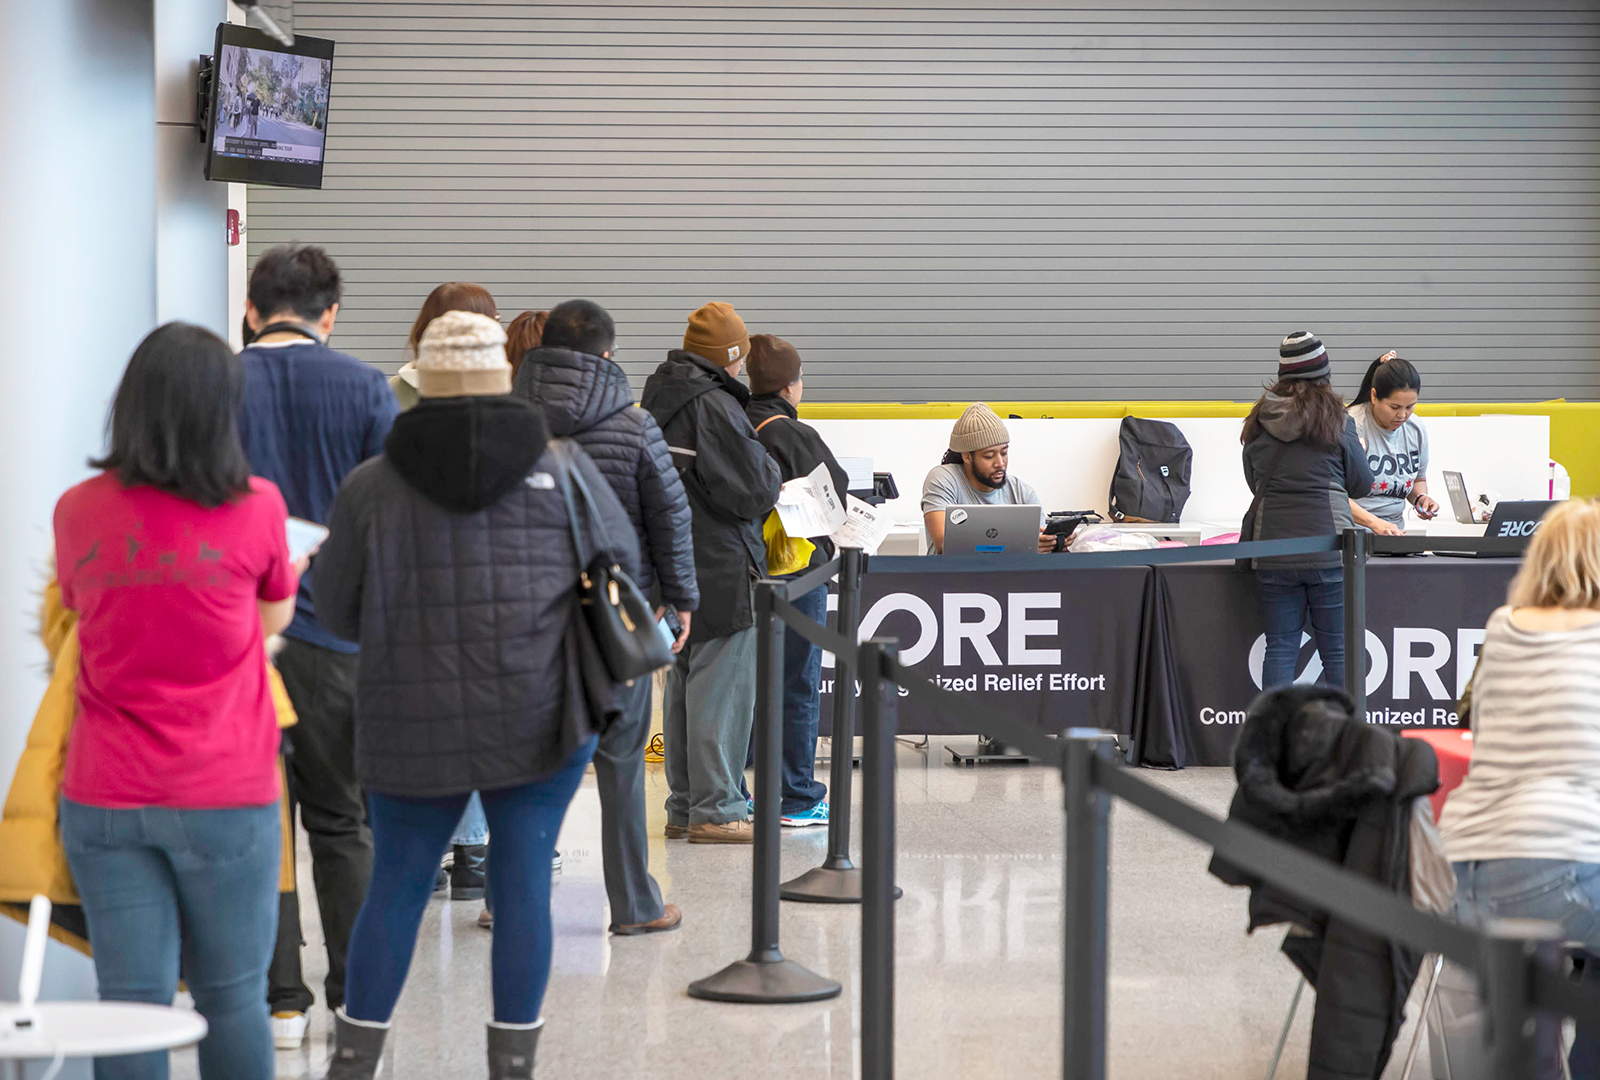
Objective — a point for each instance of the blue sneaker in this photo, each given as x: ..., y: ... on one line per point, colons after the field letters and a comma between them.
x: 817, y: 815
x: 750, y: 805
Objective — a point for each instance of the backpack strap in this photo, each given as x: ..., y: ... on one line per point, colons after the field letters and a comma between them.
x: 767, y: 421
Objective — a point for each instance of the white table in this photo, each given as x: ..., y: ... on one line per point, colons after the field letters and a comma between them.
x: 80, y: 1029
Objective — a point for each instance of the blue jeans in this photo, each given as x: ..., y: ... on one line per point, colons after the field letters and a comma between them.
x: 1287, y: 595
x: 802, y: 703
x: 473, y: 828
x: 158, y: 883
x: 409, y: 837
x: 1551, y: 890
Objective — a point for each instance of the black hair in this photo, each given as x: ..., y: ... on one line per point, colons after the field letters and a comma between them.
x: 247, y: 333
x: 298, y: 278
x: 174, y: 423
x: 951, y: 457
x: 582, y: 326
x: 1387, y: 376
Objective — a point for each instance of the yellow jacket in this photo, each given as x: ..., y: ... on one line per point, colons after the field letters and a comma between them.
x: 32, y: 859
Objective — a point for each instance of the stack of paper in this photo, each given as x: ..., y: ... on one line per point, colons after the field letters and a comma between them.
x: 809, y: 507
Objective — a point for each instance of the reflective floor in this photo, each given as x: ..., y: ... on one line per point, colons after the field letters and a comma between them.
x: 979, y: 954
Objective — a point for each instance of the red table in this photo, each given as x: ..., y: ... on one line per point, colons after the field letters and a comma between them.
x: 1454, y: 751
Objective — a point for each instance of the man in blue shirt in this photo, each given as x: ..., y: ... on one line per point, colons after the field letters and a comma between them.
x: 310, y: 416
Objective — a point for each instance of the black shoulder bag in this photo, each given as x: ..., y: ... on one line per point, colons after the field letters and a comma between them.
x: 619, y: 622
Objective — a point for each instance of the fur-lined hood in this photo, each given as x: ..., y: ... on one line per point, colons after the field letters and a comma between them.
x: 1305, y: 758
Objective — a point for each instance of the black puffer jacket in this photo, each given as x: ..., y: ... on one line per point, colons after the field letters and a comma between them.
x: 1301, y: 489
x: 798, y: 450
x: 1312, y: 774
x: 587, y: 398
x: 451, y: 561
x: 731, y: 481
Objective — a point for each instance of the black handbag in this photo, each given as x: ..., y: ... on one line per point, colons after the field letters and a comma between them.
x: 618, y: 618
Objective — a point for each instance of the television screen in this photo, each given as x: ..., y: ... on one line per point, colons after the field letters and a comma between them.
x: 269, y: 108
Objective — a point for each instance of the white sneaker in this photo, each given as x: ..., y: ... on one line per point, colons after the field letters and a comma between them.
x: 288, y: 1030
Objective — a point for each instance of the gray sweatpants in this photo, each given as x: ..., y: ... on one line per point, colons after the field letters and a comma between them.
x: 624, y: 842
x: 706, y: 717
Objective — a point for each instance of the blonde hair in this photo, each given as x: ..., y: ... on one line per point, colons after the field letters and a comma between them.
x: 1562, y: 566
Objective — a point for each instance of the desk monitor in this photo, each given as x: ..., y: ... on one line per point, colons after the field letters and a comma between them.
x: 991, y: 530
x: 1460, y: 502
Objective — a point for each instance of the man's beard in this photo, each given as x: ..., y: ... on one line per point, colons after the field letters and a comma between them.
x: 993, y: 482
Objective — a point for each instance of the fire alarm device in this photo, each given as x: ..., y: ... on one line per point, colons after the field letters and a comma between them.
x: 233, y: 228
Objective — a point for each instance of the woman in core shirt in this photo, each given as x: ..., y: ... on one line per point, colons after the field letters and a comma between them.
x: 1396, y: 444
x: 1523, y: 830
x: 176, y: 560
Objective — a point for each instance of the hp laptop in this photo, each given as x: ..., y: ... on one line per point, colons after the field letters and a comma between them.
x: 991, y: 530
x: 1460, y: 501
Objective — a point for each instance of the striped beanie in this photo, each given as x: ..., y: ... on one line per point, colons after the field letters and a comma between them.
x: 1301, y: 356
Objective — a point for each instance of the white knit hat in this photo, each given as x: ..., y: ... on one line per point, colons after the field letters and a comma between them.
x: 462, y: 354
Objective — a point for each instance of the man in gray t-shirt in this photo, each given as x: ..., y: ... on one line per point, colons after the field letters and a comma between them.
x: 981, y: 440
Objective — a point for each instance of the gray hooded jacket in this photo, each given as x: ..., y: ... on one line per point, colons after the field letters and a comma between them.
x: 1302, y: 489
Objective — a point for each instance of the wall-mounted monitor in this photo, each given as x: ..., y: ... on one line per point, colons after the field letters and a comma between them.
x: 268, y: 114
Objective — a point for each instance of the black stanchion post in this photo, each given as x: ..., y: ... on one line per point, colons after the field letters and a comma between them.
x: 1520, y: 1041
x: 879, y: 701
x: 837, y: 881
x: 765, y: 977
x: 1355, y: 617
x: 1084, y: 892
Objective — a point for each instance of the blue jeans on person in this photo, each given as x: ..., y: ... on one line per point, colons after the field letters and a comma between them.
x: 1550, y: 890
x: 157, y: 884
x: 473, y: 828
x: 1287, y: 596
x: 802, y: 705
x: 409, y: 836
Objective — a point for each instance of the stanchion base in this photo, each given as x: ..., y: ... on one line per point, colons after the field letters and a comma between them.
x: 989, y: 753
x: 751, y: 982
x: 825, y: 886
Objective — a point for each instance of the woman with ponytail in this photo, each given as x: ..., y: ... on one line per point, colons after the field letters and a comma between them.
x: 1396, y: 446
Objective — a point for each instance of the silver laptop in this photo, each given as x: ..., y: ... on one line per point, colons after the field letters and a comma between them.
x: 991, y: 530
x: 1460, y: 502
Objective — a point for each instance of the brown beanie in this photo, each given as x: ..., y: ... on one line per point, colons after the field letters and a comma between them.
x: 462, y: 354
x: 774, y: 364
x: 717, y: 334
x: 978, y: 429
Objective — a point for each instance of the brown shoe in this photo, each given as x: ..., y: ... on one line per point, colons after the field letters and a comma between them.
x: 671, y: 919
x: 486, y: 919
x: 728, y: 832
x: 676, y: 832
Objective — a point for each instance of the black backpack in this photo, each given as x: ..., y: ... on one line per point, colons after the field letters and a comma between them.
x: 1152, y: 478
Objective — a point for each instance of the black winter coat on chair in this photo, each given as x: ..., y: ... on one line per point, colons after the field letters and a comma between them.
x: 1312, y: 774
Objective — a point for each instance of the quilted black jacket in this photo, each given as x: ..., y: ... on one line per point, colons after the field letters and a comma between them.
x: 451, y: 561
x: 731, y: 480
x: 587, y: 398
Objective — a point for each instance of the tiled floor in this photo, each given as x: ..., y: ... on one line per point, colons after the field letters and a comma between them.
x: 979, y: 955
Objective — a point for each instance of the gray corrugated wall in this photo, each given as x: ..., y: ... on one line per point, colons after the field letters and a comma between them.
x: 941, y: 200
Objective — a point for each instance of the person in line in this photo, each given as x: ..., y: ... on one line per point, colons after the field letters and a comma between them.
x: 975, y: 470
x: 699, y: 403
x: 525, y: 334
x: 452, y: 562
x: 451, y: 296
x: 311, y: 415
x: 176, y: 560
x: 1396, y: 444
x: 776, y: 388
x: 1304, y: 463
x: 1523, y: 829
x: 583, y: 396
x: 467, y: 878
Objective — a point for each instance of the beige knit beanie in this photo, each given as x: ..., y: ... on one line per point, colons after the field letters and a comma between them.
x: 978, y: 429
x: 462, y: 354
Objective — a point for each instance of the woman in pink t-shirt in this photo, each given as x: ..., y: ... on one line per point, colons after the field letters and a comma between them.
x: 176, y: 560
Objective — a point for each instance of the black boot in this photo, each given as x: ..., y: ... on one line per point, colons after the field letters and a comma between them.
x: 357, y: 1048
x: 466, y: 872
x: 511, y: 1050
